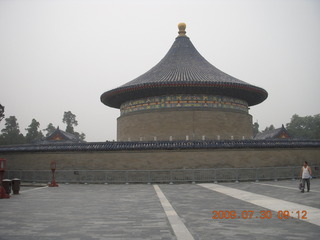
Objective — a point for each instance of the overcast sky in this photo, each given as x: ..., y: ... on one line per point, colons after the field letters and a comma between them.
x: 61, y: 55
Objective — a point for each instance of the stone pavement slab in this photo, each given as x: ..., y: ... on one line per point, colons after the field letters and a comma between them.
x: 195, y: 207
x: 285, y: 190
x: 283, y: 209
x: 177, y: 225
x: 134, y: 211
x: 85, y: 212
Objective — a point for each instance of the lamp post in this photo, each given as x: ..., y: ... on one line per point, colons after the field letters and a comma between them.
x: 53, y: 167
x: 3, y: 164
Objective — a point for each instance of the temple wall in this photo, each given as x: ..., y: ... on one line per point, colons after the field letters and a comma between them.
x: 184, y: 125
x: 163, y: 159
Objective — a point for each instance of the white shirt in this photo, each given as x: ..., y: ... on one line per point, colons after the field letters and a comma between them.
x: 305, y: 172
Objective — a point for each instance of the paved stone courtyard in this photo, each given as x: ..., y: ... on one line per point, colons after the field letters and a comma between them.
x: 163, y: 211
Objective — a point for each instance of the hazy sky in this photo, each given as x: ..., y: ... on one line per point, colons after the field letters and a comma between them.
x: 61, y: 55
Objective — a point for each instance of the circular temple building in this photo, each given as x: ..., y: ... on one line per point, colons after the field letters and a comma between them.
x: 184, y: 97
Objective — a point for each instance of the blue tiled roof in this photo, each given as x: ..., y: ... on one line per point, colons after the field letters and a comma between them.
x: 184, y: 71
x: 272, y: 134
x: 162, y: 145
x: 64, y: 137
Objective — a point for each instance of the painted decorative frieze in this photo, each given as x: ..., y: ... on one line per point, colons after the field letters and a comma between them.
x: 184, y: 101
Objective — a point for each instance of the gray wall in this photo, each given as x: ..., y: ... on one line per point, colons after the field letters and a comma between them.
x: 144, y: 126
x: 163, y: 159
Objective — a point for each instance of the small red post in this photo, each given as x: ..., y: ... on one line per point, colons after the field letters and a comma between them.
x: 3, y: 165
x: 53, y: 167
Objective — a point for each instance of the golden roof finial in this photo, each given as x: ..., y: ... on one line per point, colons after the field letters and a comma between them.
x: 182, y: 29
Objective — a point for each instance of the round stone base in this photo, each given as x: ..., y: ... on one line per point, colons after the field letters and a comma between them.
x: 166, y: 125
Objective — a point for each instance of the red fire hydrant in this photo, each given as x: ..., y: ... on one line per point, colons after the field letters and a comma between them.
x: 53, y: 167
x: 3, y: 165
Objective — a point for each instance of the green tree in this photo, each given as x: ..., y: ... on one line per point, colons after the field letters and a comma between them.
x: 255, y: 128
x: 70, y: 119
x: 33, y: 133
x: 50, y: 129
x: 11, y: 133
x: 1, y: 112
x: 81, y: 136
x: 269, y: 128
x: 307, y: 127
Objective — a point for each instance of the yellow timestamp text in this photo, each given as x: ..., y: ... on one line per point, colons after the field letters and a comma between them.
x: 263, y: 214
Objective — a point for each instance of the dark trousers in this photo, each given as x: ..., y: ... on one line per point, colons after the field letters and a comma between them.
x: 304, y: 181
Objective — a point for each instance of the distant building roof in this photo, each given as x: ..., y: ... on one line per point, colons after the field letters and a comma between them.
x: 59, y: 136
x: 273, y: 134
x: 184, y: 71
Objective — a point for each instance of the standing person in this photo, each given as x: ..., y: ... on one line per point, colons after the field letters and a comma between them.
x: 305, y: 175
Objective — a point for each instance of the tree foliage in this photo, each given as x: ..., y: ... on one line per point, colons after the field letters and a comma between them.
x: 81, y: 136
x: 50, y: 129
x: 11, y: 133
x: 269, y: 128
x: 33, y: 133
x: 1, y: 112
x: 70, y: 119
x: 255, y: 128
x: 307, y: 127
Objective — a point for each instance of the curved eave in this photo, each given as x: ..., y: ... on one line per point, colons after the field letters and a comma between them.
x: 251, y: 94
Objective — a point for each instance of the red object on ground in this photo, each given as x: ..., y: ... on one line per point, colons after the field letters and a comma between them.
x: 3, y: 193
x: 3, y: 164
x: 53, y: 167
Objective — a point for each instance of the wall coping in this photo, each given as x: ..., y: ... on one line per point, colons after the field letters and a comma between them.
x: 161, y: 145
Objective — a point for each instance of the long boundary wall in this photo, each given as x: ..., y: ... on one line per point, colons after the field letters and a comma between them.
x: 162, y: 159
x: 162, y: 176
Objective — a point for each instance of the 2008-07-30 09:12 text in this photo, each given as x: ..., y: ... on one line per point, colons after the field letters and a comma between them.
x: 263, y: 214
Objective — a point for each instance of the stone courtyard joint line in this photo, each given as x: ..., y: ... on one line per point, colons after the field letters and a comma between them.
x: 284, y: 209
